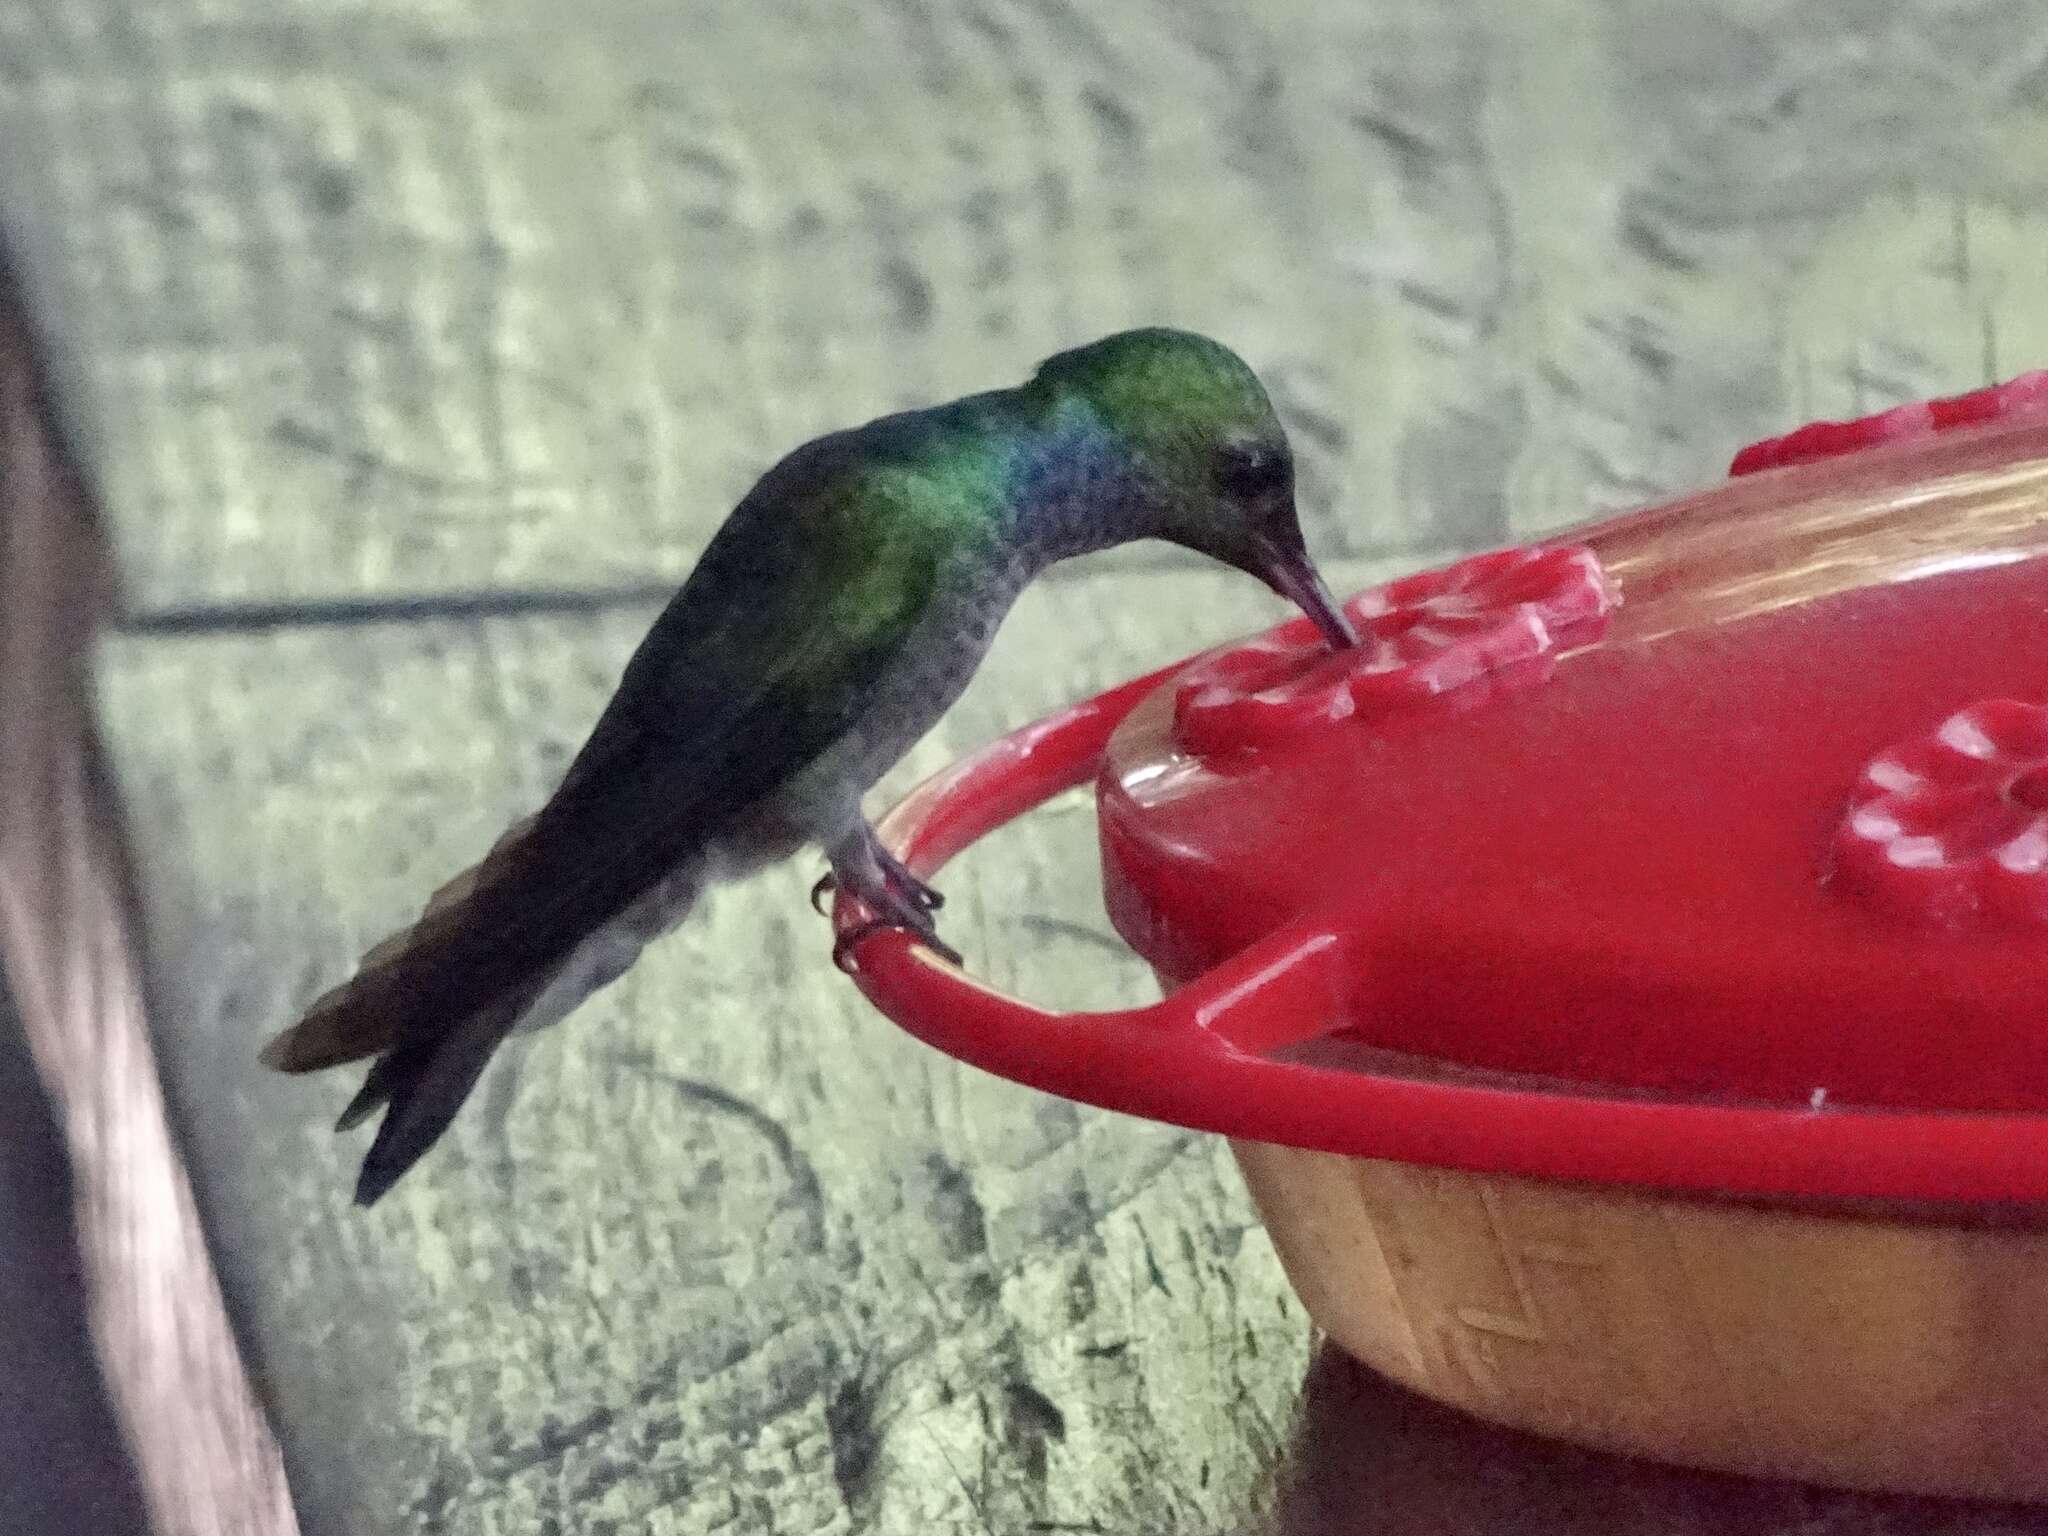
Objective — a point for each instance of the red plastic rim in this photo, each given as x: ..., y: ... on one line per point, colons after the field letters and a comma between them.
x: 1209, y: 1056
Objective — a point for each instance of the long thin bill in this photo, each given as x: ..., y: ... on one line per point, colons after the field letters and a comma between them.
x: 1296, y: 580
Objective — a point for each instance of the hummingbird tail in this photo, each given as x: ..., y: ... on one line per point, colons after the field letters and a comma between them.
x: 425, y: 1081
x: 343, y: 1025
x: 423, y: 1086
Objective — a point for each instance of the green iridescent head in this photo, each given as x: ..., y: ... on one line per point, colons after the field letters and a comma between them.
x: 1211, y: 460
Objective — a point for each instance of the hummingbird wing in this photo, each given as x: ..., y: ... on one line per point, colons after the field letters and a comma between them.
x: 807, y: 597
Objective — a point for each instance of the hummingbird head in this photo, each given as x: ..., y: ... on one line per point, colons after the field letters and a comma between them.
x: 1208, y: 460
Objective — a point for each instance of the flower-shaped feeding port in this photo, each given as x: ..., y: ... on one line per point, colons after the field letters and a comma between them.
x: 1923, y: 418
x: 1504, y: 617
x: 1952, y: 827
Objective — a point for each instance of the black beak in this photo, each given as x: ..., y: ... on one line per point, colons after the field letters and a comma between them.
x: 1290, y: 573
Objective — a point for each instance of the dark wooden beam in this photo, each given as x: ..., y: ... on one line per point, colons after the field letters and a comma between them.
x: 204, y: 1455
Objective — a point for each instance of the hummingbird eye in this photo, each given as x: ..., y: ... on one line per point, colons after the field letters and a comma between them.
x: 1253, y: 471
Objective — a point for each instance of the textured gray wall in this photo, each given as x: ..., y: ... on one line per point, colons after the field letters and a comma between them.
x: 456, y: 298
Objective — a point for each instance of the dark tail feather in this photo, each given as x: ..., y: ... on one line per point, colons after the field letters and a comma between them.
x: 360, y: 1018
x: 424, y: 1085
x: 395, y: 1006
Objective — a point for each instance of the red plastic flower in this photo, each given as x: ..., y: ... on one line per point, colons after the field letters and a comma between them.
x: 1827, y: 439
x: 1953, y: 826
x: 1505, y: 616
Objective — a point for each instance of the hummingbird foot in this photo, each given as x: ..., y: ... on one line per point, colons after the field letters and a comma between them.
x: 898, y: 873
x: 844, y: 946
x: 901, y: 877
x: 874, y: 877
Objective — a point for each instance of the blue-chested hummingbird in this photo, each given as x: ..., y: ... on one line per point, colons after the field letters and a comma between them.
x: 831, y: 621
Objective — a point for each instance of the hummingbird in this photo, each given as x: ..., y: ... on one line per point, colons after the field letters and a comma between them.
x: 832, y: 620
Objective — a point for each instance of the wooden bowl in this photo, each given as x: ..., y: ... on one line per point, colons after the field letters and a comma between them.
x: 1897, y: 1353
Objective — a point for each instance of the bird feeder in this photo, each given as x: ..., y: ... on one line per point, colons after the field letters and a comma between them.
x: 1624, y: 976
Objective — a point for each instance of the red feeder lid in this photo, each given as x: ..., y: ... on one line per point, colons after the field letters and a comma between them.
x: 1705, y: 849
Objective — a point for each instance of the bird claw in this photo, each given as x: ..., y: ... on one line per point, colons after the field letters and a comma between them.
x: 895, y: 897
x: 846, y: 945
x: 900, y: 877
x: 927, y: 899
